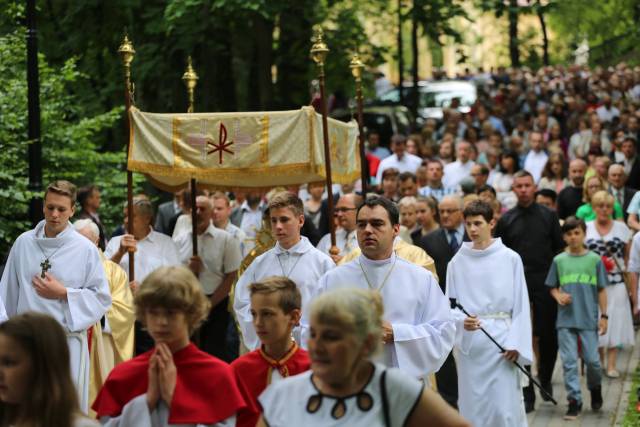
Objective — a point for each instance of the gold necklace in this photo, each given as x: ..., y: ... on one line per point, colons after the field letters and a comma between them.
x: 384, y: 282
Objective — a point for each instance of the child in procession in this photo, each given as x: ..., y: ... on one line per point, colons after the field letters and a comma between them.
x: 276, y: 310
x: 175, y: 383
x: 487, y: 279
x: 578, y: 279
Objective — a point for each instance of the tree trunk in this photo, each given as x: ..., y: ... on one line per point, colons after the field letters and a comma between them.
x: 264, y: 44
x: 400, y: 57
x: 545, y: 37
x: 414, y: 57
x: 293, y: 55
x: 513, y: 33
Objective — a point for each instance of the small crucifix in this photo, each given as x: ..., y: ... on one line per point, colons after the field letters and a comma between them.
x: 46, y: 266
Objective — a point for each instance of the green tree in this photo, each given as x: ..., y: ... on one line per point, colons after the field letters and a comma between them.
x: 610, y: 28
x: 68, y: 139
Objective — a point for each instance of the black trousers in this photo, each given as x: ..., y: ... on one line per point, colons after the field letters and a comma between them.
x: 545, y: 310
x: 447, y: 381
x: 211, y: 337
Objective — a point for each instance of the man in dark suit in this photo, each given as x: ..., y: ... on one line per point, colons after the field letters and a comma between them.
x: 441, y: 245
x: 617, y: 179
x: 630, y: 162
x: 89, y: 200
x: 167, y: 215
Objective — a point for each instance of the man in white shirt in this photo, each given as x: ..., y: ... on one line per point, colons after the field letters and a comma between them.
x: 54, y: 270
x: 293, y: 257
x: 606, y: 112
x: 216, y: 266
x: 434, y: 187
x: 418, y: 330
x: 537, y: 157
x: 400, y: 159
x: 460, y: 169
x: 220, y: 217
x: 151, y: 251
x: 346, y: 240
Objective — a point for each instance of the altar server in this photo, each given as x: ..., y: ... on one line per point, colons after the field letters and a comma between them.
x: 487, y: 279
x: 293, y: 257
x: 54, y: 270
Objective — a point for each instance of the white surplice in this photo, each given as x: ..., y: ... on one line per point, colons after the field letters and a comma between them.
x: 136, y: 413
x: 414, y: 305
x: 490, y: 283
x: 75, y: 262
x: 302, y: 263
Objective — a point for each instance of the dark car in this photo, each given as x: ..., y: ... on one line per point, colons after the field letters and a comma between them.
x: 385, y: 119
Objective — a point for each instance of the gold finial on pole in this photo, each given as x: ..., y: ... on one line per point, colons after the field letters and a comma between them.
x: 190, y: 79
x: 319, y: 49
x: 127, y: 52
x: 318, y: 54
x: 357, y: 66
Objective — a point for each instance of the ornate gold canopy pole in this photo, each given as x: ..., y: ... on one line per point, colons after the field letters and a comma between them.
x: 190, y: 79
x: 127, y: 53
x: 319, y: 52
x: 357, y: 66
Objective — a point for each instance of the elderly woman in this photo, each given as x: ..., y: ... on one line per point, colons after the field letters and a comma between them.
x: 344, y: 387
x: 610, y: 239
x: 591, y: 186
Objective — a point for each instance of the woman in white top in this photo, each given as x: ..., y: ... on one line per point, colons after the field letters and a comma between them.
x: 503, y: 179
x: 344, y: 388
x: 37, y: 389
x: 610, y: 239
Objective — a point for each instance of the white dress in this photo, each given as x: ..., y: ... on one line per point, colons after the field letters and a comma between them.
x: 490, y: 283
x: 620, y: 326
x: 287, y: 403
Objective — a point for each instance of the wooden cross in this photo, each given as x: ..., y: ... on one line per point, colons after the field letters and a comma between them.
x: 46, y: 266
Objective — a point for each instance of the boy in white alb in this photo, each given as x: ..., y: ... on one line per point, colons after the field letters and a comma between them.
x: 293, y: 257
x: 487, y: 279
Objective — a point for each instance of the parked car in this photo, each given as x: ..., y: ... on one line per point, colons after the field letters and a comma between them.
x: 385, y: 119
x: 434, y: 96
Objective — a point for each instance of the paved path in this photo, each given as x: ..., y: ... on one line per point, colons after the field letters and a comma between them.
x: 615, y: 393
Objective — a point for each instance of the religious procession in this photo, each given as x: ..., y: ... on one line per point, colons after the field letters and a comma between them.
x: 300, y: 229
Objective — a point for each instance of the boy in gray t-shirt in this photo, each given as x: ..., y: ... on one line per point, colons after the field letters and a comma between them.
x: 577, y: 279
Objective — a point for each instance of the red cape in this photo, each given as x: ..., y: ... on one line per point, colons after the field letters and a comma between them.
x: 253, y: 373
x: 206, y: 391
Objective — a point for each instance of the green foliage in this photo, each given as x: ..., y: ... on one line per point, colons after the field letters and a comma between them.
x: 610, y: 27
x: 437, y: 17
x: 69, y: 146
x: 631, y: 416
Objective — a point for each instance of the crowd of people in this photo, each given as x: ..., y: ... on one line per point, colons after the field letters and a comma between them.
x: 517, y: 218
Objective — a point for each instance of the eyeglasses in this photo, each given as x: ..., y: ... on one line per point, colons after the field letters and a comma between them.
x: 343, y: 210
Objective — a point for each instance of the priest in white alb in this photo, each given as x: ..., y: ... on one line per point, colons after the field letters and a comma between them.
x: 418, y: 328
x: 293, y: 257
x: 54, y: 270
x: 487, y: 279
